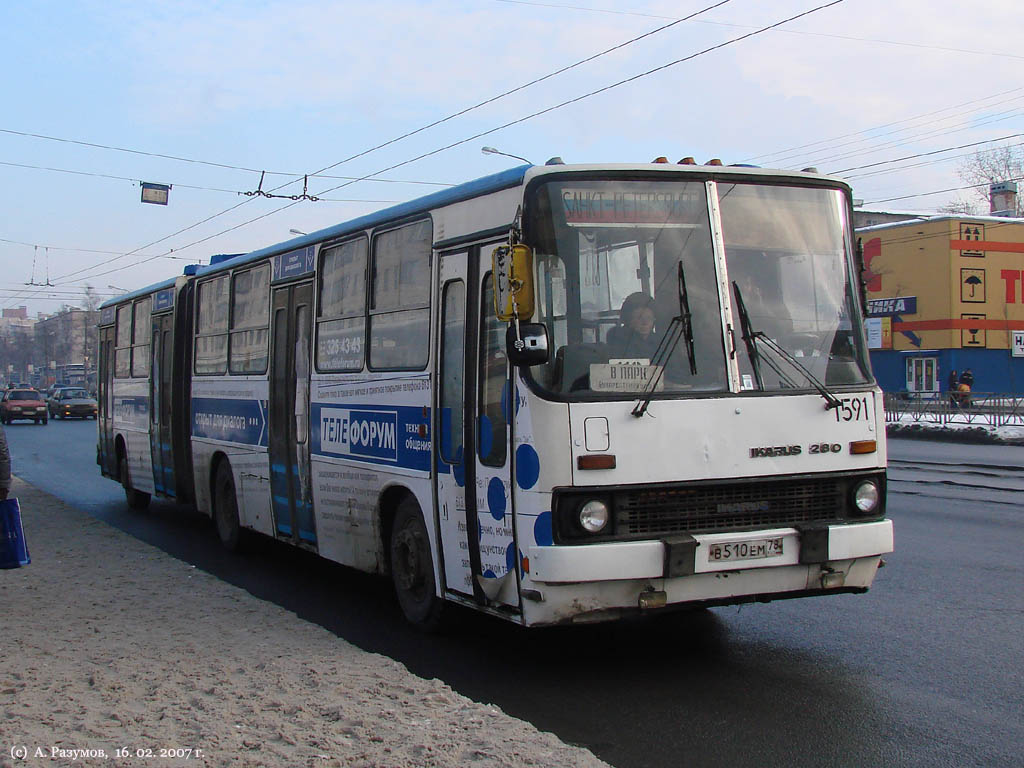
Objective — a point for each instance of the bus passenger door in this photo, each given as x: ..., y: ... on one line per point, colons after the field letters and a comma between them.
x: 492, y: 410
x: 105, y: 397
x: 292, y: 499
x: 160, y: 404
x: 474, y: 506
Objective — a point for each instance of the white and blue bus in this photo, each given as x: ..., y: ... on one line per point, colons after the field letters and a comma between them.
x: 556, y: 394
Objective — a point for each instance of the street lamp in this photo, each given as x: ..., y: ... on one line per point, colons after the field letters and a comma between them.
x: 298, y: 232
x: 116, y: 288
x: 493, y: 151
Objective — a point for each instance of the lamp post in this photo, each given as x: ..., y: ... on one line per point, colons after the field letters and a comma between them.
x: 493, y: 151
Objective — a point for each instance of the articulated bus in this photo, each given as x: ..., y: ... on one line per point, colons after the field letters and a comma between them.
x: 556, y: 394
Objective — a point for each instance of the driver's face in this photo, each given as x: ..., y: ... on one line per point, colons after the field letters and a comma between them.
x: 642, y: 321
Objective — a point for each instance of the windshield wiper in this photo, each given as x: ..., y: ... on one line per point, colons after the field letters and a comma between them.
x: 748, y: 336
x: 752, y: 336
x: 681, y: 327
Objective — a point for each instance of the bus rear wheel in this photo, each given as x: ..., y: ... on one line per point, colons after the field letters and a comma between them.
x: 225, y: 509
x: 412, y: 568
x: 137, y: 500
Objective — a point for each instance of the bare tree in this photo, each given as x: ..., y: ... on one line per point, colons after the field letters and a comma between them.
x: 990, y: 167
x: 90, y: 299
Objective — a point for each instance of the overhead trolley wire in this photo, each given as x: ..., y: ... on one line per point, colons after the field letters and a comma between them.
x: 936, y: 192
x: 400, y: 138
x: 538, y: 113
x: 177, y: 158
x: 926, y: 154
x: 904, y: 141
x: 888, y: 171
x: 786, y: 31
x: 772, y: 156
x: 478, y: 135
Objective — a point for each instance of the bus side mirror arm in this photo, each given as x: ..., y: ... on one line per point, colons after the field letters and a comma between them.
x: 530, y: 347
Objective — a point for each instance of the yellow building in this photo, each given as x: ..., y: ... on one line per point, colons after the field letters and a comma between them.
x: 945, y: 294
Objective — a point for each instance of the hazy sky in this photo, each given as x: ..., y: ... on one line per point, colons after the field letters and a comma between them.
x: 293, y: 87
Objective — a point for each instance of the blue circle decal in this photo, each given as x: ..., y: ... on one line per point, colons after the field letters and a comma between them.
x: 510, y: 556
x: 496, y: 501
x: 527, y: 466
x: 489, y: 574
x: 486, y: 436
x: 542, y: 530
x: 459, y: 468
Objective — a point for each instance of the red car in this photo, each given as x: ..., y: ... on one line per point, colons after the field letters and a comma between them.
x: 23, y: 404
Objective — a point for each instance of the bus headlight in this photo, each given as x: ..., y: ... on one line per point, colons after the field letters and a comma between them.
x: 866, y: 497
x: 594, y: 516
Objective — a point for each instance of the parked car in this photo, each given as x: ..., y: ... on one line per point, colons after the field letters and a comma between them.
x: 72, y: 401
x: 23, y: 404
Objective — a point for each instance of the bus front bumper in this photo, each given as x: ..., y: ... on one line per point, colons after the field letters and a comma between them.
x: 599, y: 581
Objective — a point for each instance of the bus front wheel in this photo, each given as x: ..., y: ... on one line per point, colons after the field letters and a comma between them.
x: 412, y: 567
x: 137, y: 500
x: 225, y: 508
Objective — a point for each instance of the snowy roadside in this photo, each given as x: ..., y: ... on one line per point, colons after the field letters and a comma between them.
x: 977, y: 431
x: 115, y: 653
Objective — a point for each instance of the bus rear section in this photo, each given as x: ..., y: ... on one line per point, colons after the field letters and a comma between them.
x: 143, y: 392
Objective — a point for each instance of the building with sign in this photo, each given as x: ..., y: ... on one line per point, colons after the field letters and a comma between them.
x: 946, y: 294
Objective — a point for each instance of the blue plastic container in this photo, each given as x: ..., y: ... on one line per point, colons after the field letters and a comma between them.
x: 13, y: 547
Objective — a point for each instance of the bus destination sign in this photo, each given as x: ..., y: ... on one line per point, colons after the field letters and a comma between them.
x: 597, y: 208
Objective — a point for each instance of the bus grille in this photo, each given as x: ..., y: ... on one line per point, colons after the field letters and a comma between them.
x: 709, y: 508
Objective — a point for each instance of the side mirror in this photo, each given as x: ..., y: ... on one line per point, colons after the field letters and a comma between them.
x: 512, y: 266
x: 532, y: 346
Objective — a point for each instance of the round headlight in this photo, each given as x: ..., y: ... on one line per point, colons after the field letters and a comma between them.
x: 866, y: 496
x: 594, y: 516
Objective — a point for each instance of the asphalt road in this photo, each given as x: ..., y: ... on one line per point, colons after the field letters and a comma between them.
x: 924, y: 670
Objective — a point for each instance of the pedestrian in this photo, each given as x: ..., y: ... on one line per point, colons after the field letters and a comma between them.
x: 967, y: 378
x: 954, y: 383
x: 5, y: 466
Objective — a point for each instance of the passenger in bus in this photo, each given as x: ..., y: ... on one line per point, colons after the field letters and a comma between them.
x: 634, y: 337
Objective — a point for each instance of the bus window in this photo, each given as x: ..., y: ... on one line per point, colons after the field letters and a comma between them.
x: 399, y: 312
x: 212, y: 327
x: 453, y: 350
x: 123, y: 353
x: 250, y: 318
x: 341, y: 323
x: 493, y: 377
x: 140, y: 337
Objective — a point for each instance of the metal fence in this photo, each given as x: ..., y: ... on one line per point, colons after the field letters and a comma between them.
x: 994, y: 409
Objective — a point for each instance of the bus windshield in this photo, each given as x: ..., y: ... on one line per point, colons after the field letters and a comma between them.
x: 628, y: 288
x: 786, y: 255
x: 621, y: 264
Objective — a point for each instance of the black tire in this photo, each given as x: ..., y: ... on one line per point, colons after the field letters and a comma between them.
x: 225, y: 509
x: 137, y: 500
x: 412, y: 568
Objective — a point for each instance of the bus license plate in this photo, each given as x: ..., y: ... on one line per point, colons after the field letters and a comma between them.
x: 745, y: 550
